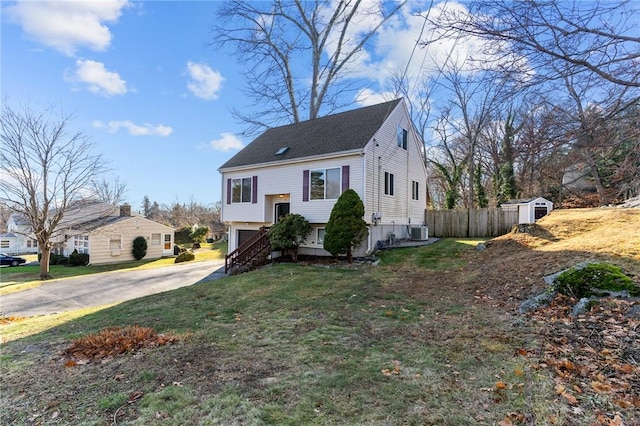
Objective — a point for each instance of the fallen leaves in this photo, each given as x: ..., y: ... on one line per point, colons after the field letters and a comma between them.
x: 4, y: 320
x: 392, y: 371
x: 593, y: 356
x: 114, y: 341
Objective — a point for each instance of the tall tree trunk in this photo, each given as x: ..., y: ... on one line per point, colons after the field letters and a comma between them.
x: 597, y: 180
x: 45, y: 247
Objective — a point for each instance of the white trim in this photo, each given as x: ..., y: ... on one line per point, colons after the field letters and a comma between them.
x: 330, y: 156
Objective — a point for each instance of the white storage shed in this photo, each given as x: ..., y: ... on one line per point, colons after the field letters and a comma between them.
x: 529, y: 209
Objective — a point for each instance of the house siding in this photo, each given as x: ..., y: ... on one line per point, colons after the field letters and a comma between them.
x: 398, y: 211
x: 130, y: 229
x: 286, y: 182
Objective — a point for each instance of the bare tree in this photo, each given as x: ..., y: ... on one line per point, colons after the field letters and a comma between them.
x: 46, y: 170
x: 110, y: 191
x: 593, y: 37
x: 297, y: 53
x: 449, y: 166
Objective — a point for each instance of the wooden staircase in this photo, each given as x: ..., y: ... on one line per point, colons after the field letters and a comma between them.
x: 251, y: 254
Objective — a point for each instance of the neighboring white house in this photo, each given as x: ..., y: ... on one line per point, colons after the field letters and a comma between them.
x: 9, y: 243
x: 529, y: 209
x: 304, y: 167
x: 23, y: 242
x: 106, y: 232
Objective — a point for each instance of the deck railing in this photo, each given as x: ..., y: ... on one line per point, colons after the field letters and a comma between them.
x: 248, y: 251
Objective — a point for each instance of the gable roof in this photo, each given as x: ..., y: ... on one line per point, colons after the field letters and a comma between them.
x: 92, y: 225
x: 518, y: 201
x: 340, y: 132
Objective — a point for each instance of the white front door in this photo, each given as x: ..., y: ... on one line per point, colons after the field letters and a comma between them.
x: 167, y: 245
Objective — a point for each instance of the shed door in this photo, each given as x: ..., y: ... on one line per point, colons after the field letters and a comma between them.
x: 244, y: 235
x: 539, y: 212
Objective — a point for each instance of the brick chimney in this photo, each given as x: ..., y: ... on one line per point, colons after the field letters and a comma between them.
x: 125, y: 210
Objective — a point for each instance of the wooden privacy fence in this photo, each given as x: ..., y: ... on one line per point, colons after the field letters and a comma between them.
x: 480, y: 223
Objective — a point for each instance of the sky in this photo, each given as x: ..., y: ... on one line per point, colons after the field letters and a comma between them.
x: 142, y: 81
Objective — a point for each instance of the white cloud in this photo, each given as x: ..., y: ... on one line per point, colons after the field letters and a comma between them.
x: 205, y: 83
x: 396, y: 40
x: 67, y: 25
x: 97, y: 78
x: 366, y: 97
x: 134, y: 129
x: 227, y: 142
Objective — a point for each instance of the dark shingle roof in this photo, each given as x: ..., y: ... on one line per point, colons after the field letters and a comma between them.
x: 520, y: 200
x: 344, y: 131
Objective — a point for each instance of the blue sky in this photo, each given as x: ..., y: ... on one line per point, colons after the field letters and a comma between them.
x: 144, y: 84
x: 149, y: 91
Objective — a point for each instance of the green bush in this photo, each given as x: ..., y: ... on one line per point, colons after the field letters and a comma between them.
x: 78, y: 259
x: 186, y: 256
x: 287, y: 235
x: 199, y: 234
x: 183, y: 235
x: 595, y: 279
x: 139, y: 249
x: 55, y: 259
x: 346, y: 228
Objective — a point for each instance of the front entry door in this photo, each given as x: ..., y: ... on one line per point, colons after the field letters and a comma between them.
x: 282, y: 209
x: 167, y: 244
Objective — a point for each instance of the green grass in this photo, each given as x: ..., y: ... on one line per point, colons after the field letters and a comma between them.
x: 289, y: 345
x: 445, y: 255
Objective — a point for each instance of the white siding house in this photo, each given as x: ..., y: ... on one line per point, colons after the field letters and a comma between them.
x: 304, y: 167
x: 106, y: 232
x: 22, y: 242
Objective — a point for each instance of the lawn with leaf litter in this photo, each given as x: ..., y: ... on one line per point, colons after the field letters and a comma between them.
x: 431, y: 336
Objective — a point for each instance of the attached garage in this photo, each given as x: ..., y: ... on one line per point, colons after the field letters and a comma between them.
x: 529, y: 209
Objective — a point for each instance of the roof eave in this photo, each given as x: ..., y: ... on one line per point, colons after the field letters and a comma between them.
x: 340, y: 154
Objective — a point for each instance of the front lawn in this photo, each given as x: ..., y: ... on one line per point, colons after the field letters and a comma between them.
x: 293, y: 344
x: 430, y: 336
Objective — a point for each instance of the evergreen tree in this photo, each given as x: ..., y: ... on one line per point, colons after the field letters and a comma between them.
x: 481, y: 193
x: 139, y: 249
x: 506, y: 183
x: 346, y: 228
x: 146, y: 206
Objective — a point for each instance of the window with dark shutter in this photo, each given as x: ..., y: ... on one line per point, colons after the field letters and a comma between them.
x: 305, y: 185
x: 345, y: 178
x: 254, y: 190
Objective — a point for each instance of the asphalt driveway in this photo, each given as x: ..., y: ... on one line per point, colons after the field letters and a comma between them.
x: 107, y: 288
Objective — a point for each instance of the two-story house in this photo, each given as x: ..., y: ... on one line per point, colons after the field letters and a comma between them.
x: 304, y: 167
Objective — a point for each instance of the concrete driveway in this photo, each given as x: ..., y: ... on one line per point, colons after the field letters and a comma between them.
x: 102, y: 289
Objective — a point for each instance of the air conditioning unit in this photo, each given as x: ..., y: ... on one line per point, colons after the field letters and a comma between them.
x: 419, y: 233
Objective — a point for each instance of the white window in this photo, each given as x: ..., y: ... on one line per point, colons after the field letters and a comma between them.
x: 31, y: 243
x: 388, y: 183
x: 320, y: 237
x: 402, y: 137
x: 115, y: 242
x: 5, y: 243
x: 326, y: 184
x: 415, y: 192
x: 241, y: 190
x: 81, y: 243
x: 155, y: 239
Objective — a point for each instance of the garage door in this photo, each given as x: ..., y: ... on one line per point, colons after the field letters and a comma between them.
x: 244, y: 235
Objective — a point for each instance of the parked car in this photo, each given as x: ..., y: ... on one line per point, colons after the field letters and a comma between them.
x: 5, y: 259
